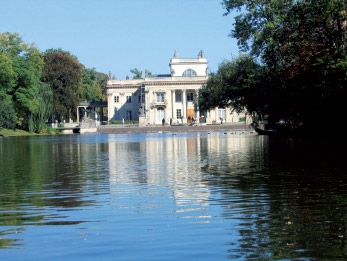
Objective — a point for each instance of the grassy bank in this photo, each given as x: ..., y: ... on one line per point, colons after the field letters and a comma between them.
x: 7, y: 132
x: 18, y: 132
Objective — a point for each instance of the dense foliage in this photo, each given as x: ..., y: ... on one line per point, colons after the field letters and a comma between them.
x: 295, y: 66
x: 20, y: 71
x: 37, y: 87
x: 92, y: 83
x: 63, y: 73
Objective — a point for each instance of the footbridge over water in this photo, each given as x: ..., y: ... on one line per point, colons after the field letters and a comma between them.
x: 85, y: 126
x: 91, y: 113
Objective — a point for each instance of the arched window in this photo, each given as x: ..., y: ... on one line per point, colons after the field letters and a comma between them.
x: 189, y: 72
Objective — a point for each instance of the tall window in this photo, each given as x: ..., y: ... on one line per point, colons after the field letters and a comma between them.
x: 190, y: 96
x: 129, y: 115
x: 221, y: 114
x: 128, y: 99
x: 178, y: 97
x: 116, y: 98
x: 160, y: 97
x: 189, y: 72
x: 178, y: 113
x: 142, y: 98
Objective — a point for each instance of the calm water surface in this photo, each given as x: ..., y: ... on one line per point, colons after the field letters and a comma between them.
x: 165, y: 196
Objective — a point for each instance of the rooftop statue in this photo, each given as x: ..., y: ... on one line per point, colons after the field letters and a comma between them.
x: 201, y: 54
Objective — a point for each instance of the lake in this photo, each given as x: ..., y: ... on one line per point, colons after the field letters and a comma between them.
x: 172, y: 196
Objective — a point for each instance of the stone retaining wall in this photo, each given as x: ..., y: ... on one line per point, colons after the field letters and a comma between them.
x: 167, y: 128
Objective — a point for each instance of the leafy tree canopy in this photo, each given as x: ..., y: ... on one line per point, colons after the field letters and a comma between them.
x: 20, y: 71
x: 92, y: 86
x: 29, y: 78
x: 299, y: 68
x: 7, y: 115
x: 63, y: 72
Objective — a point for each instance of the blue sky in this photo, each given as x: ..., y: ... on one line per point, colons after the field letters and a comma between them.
x: 119, y: 35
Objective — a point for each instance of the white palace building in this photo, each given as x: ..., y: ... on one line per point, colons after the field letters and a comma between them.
x: 172, y: 97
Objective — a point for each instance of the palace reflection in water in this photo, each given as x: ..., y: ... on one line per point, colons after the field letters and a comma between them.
x: 171, y: 196
x: 175, y: 162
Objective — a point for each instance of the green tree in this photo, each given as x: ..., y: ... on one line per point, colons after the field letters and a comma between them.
x: 8, y: 117
x: 238, y: 84
x: 7, y: 75
x: 20, y: 72
x: 92, y: 86
x: 63, y: 72
x: 45, y: 107
x: 302, y: 47
x: 101, y: 79
x: 137, y: 73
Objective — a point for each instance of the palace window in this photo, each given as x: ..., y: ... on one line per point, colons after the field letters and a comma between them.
x: 190, y: 96
x: 129, y: 115
x: 221, y: 113
x: 128, y: 99
x: 179, y: 114
x: 116, y: 98
x: 160, y: 97
x: 189, y: 72
x: 142, y: 98
x: 178, y: 97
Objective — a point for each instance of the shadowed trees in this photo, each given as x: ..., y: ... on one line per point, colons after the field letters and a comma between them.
x: 298, y: 67
x: 63, y: 72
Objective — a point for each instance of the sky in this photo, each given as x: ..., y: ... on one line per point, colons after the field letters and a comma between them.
x: 116, y: 36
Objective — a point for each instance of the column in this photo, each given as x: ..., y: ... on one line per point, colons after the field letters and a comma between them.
x: 173, y: 99
x: 184, y: 107
x: 110, y: 106
x: 78, y: 115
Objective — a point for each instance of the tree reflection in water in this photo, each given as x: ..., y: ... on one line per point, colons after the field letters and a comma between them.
x: 203, y: 195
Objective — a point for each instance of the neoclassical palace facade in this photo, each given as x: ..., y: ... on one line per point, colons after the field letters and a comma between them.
x: 172, y: 97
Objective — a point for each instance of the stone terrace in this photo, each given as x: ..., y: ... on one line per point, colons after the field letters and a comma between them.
x: 109, y: 129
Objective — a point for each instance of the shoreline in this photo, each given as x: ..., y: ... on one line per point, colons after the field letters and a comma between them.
x: 107, y: 129
x: 112, y: 129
